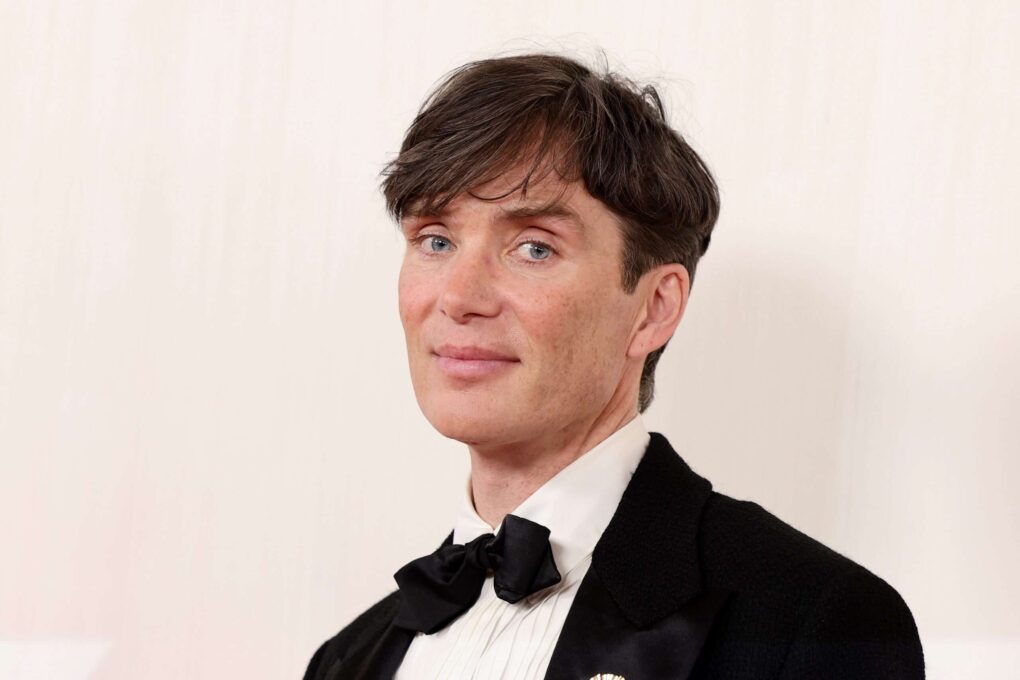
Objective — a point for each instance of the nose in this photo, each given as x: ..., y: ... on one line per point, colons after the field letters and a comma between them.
x: 468, y: 287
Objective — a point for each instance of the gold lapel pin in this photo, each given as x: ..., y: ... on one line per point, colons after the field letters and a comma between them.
x: 607, y: 676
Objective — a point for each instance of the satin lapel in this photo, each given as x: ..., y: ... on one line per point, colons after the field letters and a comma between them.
x: 640, y: 611
x: 598, y: 638
x: 380, y: 659
x: 377, y: 660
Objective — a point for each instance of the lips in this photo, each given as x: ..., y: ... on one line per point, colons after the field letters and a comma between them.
x: 472, y: 363
x: 472, y: 353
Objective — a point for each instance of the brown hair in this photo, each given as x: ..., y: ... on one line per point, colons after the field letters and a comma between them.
x: 555, y: 113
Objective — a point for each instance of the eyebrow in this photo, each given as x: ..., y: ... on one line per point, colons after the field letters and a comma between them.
x: 554, y: 210
x: 551, y: 210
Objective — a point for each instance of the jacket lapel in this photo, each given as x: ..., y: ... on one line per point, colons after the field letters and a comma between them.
x: 377, y: 660
x: 640, y: 611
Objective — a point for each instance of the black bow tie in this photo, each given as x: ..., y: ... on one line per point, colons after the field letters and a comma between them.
x: 437, y: 588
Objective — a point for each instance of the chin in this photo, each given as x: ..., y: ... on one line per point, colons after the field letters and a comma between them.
x: 466, y: 429
x: 469, y: 423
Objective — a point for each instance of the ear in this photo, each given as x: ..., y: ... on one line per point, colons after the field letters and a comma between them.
x: 666, y: 291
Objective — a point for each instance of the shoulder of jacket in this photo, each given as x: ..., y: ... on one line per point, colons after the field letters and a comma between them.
x: 744, y: 546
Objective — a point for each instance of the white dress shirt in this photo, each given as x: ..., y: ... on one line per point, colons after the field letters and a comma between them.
x: 495, y: 639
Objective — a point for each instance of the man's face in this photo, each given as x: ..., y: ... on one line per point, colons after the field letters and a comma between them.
x: 517, y: 324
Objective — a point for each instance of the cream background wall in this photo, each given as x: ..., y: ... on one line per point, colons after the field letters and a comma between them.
x: 210, y: 453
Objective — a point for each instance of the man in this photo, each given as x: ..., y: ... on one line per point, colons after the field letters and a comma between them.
x: 553, y: 224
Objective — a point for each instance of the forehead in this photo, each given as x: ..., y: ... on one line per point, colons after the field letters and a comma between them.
x: 547, y: 195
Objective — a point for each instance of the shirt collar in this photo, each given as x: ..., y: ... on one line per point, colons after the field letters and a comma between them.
x: 578, y: 502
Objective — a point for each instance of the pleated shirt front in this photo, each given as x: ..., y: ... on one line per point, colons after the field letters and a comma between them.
x: 496, y: 640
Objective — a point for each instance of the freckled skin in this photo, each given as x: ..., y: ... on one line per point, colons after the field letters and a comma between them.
x: 470, y: 277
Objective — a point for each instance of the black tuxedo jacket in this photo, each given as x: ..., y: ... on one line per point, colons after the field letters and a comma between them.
x: 689, y: 583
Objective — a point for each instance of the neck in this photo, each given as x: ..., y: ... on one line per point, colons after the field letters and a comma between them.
x: 503, y: 476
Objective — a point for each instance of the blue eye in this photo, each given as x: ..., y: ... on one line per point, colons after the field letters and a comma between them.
x: 538, y: 251
x: 434, y: 240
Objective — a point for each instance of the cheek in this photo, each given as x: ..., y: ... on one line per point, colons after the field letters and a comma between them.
x: 412, y: 305
x: 412, y: 299
x: 572, y: 330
